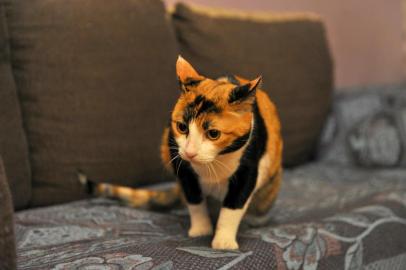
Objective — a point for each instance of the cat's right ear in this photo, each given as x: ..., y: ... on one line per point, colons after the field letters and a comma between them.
x: 187, y: 75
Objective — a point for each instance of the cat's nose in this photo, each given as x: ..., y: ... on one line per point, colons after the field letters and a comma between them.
x: 190, y: 155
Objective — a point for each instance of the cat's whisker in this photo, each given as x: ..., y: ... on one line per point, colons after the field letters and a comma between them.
x: 222, y: 164
x: 208, y: 167
x: 216, y: 177
x: 171, y: 140
x: 228, y: 168
x: 170, y: 161
x: 223, y: 168
x: 177, y: 171
x: 214, y: 171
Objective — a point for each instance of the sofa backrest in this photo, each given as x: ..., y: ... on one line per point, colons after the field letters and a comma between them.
x: 13, y: 143
x: 96, y: 81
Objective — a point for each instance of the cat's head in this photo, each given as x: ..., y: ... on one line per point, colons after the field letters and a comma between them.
x: 212, y: 117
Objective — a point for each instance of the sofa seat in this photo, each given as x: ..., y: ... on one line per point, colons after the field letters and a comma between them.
x: 326, y: 217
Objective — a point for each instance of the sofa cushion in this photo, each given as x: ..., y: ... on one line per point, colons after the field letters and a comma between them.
x: 367, y: 127
x: 289, y: 50
x: 96, y: 80
x: 13, y: 143
x: 7, y: 239
x: 355, y: 219
x: 378, y: 140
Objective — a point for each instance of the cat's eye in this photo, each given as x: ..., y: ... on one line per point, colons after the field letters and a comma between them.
x: 182, y: 127
x: 213, y: 134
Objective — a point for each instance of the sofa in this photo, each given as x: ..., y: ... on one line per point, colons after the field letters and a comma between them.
x: 86, y: 87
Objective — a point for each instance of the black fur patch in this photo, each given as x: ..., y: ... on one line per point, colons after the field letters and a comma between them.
x: 240, y: 93
x: 206, y: 125
x: 90, y: 187
x: 198, y: 99
x: 243, y: 181
x: 197, y: 107
x: 192, y: 82
x: 232, y: 79
x: 189, y: 82
x: 208, y: 106
x: 189, y: 113
x: 185, y: 173
x: 236, y: 144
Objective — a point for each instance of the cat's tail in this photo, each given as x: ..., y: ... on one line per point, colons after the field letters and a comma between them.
x: 159, y: 197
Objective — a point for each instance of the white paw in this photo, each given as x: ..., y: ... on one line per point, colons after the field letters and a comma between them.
x: 201, y: 230
x: 224, y: 243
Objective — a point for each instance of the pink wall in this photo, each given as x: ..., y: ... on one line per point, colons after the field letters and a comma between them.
x: 365, y: 36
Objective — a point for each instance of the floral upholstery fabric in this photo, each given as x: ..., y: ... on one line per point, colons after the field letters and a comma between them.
x: 326, y: 217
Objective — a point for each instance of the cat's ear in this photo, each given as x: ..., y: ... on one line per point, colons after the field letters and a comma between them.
x: 244, y: 92
x: 187, y: 75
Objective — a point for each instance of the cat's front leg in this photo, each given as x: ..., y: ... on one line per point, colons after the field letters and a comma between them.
x: 200, y: 223
x: 239, y: 194
x: 227, y: 228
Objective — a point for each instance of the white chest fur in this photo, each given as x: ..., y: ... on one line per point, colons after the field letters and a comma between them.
x: 214, y: 177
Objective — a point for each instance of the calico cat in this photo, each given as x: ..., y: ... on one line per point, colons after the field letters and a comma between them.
x: 223, y: 141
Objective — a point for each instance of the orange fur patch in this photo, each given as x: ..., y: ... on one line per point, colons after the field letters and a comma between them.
x: 233, y: 121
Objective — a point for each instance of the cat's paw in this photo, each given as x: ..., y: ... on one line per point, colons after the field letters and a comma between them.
x: 224, y: 243
x: 200, y: 230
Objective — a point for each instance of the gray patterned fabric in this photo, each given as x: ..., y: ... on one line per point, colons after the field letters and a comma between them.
x: 378, y: 140
x: 327, y: 217
x: 367, y: 127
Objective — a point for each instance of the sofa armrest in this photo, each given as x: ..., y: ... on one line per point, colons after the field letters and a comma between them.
x: 7, y: 238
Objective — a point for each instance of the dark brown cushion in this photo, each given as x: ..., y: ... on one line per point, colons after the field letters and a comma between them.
x: 13, y: 143
x: 97, y: 82
x: 290, y: 51
x: 7, y: 240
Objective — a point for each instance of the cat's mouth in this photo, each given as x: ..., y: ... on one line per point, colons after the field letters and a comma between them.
x: 196, y: 160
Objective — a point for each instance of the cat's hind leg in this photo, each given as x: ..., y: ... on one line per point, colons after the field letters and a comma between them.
x: 265, y: 196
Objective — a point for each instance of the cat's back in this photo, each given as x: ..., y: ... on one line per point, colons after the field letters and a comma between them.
x: 268, y: 111
x: 269, y: 114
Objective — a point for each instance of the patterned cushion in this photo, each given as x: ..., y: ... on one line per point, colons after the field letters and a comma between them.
x: 379, y: 140
x: 367, y: 127
x: 355, y: 220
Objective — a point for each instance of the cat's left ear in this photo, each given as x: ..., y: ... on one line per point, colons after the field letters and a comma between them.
x: 244, y: 92
x: 187, y: 75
